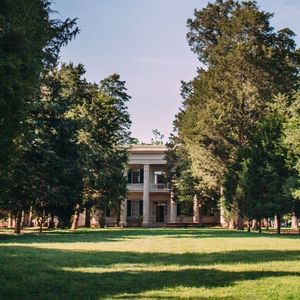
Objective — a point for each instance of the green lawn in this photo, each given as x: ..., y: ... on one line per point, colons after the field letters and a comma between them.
x: 149, y: 263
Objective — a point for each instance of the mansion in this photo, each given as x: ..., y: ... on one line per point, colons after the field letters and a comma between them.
x: 149, y: 201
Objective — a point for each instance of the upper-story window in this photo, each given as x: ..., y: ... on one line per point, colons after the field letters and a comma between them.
x: 136, y: 176
x: 159, y: 177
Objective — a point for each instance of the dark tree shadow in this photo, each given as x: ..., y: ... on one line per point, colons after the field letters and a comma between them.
x: 108, y: 235
x: 33, y: 273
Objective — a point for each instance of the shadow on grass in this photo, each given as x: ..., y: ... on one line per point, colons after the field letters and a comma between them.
x: 28, y: 272
x: 109, y: 235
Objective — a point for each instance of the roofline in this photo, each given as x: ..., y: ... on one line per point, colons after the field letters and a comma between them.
x: 147, y: 149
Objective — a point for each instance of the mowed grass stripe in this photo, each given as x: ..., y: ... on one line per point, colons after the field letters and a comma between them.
x: 147, y: 263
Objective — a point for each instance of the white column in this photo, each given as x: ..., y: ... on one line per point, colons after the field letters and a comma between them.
x: 123, y: 213
x: 195, y: 210
x: 173, y: 210
x: 95, y: 219
x: 146, y: 192
x: 294, y: 221
x: 223, y: 221
x: 275, y: 222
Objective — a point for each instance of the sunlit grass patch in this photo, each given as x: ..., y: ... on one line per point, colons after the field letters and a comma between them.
x: 147, y: 263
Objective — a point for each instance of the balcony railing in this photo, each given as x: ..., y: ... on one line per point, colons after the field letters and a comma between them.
x: 159, y: 187
x: 135, y: 186
x: 153, y: 187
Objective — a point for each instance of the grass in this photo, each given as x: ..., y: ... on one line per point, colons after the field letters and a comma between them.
x: 149, y: 263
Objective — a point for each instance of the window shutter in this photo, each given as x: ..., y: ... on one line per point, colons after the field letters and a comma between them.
x: 128, y: 208
x: 129, y: 176
x: 141, y: 207
x: 178, y: 209
x: 141, y: 176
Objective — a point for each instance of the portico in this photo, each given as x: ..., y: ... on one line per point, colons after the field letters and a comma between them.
x: 150, y: 202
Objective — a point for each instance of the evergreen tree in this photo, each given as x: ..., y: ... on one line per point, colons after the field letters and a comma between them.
x: 56, y: 123
x: 185, y: 187
x: 29, y: 44
x: 106, y: 138
x: 247, y: 62
x: 292, y: 144
x: 263, y: 173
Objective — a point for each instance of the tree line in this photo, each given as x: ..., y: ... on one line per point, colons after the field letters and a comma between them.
x: 64, y: 140
x: 237, y: 135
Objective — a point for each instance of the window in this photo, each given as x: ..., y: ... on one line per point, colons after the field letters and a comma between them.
x: 136, y: 176
x: 134, y: 208
x: 159, y: 177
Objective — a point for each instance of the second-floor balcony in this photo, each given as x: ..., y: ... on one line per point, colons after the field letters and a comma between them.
x: 154, y: 187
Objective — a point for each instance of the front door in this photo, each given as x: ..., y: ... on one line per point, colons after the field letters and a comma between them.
x: 160, y: 213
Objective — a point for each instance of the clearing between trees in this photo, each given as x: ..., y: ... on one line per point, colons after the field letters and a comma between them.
x: 149, y: 263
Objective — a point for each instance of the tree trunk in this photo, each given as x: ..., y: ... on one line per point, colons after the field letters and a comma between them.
x: 267, y: 223
x: 232, y: 224
x: 201, y: 215
x: 275, y: 222
x: 10, y: 220
x: 41, y: 226
x: 278, y: 220
x: 30, y: 219
x: 24, y: 219
x: 101, y: 218
x: 249, y: 225
x: 51, y: 221
x: 42, y: 220
x: 254, y: 224
x: 294, y: 222
x: 240, y: 223
x: 87, y: 222
x: 76, y: 217
x: 18, y: 222
x: 259, y: 225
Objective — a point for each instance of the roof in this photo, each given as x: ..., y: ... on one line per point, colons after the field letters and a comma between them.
x: 148, y: 149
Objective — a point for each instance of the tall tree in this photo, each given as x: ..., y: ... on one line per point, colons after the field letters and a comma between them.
x: 184, y: 186
x: 226, y: 100
x: 30, y: 41
x: 106, y: 138
x: 263, y: 173
x: 56, y: 123
x: 292, y: 144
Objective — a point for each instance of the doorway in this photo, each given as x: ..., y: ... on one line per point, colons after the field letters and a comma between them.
x: 160, y: 213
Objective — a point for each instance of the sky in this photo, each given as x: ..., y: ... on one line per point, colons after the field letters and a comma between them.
x: 145, y: 42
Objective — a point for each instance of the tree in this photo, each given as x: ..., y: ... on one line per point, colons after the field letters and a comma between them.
x: 224, y: 103
x: 158, y: 138
x: 106, y: 138
x: 56, y: 123
x: 263, y: 173
x: 30, y: 42
x: 292, y: 144
x: 184, y: 186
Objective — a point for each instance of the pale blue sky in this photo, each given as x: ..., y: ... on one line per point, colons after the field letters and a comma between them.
x: 144, y: 41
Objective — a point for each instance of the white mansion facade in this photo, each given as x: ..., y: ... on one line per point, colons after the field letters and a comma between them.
x: 149, y: 202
